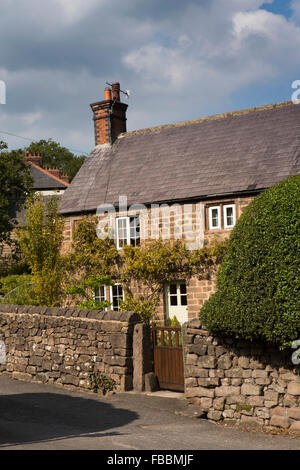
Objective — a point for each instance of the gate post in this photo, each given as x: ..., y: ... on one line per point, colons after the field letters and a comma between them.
x: 142, y: 355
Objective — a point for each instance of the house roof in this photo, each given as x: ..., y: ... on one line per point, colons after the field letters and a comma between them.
x: 220, y: 155
x: 43, y: 179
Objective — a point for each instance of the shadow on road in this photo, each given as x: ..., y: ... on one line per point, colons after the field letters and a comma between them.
x: 34, y: 417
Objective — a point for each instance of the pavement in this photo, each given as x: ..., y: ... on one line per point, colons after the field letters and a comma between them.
x: 44, y: 417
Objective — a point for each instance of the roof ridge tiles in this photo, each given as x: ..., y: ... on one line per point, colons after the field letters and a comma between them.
x: 213, y: 117
x: 43, y: 170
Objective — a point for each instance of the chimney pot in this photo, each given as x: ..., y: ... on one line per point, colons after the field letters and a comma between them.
x: 65, y: 178
x: 54, y: 172
x: 36, y: 159
x: 116, y: 91
x: 107, y: 94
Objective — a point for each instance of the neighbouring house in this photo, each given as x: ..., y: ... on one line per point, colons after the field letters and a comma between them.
x: 46, y: 182
x: 188, y: 180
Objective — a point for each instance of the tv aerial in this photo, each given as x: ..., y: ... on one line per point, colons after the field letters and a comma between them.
x: 126, y: 93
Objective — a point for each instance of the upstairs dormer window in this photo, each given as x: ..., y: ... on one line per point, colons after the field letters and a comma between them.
x: 127, y: 231
x: 214, y: 218
x: 221, y: 217
x: 229, y: 215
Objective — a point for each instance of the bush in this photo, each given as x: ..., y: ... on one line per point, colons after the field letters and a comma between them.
x: 8, y: 283
x: 16, y: 289
x: 13, y: 268
x: 40, y: 241
x: 258, y: 281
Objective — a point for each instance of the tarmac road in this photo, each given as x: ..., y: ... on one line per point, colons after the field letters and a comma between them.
x: 44, y: 417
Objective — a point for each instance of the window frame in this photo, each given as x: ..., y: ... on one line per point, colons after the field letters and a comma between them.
x: 178, y: 294
x: 225, y: 207
x: 94, y: 295
x: 128, y: 231
x: 210, y: 209
x: 136, y: 238
x: 127, y: 225
x: 112, y: 297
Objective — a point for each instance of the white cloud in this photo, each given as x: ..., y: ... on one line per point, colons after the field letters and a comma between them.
x: 159, y: 63
x: 75, y: 10
x: 179, y: 59
x: 31, y: 118
x: 295, y: 6
x: 242, y: 48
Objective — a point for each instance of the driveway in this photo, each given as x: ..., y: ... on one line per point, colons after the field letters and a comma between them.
x: 44, y: 417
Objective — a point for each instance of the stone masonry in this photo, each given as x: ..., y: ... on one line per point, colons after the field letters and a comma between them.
x: 61, y: 346
x: 240, y: 382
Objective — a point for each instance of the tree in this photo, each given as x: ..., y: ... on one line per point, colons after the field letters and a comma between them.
x: 40, y: 241
x: 258, y: 282
x: 54, y: 155
x: 90, y: 255
x: 15, y: 186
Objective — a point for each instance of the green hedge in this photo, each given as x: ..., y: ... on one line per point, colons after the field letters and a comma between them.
x: 258, y: 283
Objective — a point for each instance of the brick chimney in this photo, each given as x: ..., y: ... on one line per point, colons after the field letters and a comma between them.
x: 109, y: 116
x: 36, y: 159
x: 64, y: 177
x: 54, y: 172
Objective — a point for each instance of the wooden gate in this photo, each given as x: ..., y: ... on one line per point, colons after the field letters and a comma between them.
x: 168, y: 357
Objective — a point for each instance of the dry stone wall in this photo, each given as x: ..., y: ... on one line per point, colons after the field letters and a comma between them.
x: 240, y: 382
x: 61, y: 346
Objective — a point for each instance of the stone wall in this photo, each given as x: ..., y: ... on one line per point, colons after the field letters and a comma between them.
x: 240, y: 382
x: 61, y: 346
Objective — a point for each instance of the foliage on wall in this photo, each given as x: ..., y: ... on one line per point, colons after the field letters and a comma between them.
x: 142, y: 270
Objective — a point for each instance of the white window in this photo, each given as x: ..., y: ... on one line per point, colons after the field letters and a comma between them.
x: 229, y: 215
x: 128, y: 231
x: 135, y: 237
x: 176, y: 301
x: 178, y: 294
x: 214, y: 218
x: 99, y: 294
x: 116, y: 294
x: 122, y: 231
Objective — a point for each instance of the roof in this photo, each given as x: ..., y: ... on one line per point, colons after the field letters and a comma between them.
x: 43, y: 179
x: 219, y: 155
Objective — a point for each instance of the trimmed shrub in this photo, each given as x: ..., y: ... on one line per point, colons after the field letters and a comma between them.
x: 258, y: 281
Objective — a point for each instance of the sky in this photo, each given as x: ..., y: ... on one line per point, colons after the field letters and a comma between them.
x: 180, y: 61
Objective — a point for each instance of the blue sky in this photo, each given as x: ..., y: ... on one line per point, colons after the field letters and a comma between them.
x: 281, y: 7
x: 180, y: 60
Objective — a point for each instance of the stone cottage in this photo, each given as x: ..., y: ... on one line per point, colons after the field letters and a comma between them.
x: 190, y: 180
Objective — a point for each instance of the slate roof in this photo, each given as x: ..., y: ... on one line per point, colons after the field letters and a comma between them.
x: 43, y: 180
x: 229, y: 154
